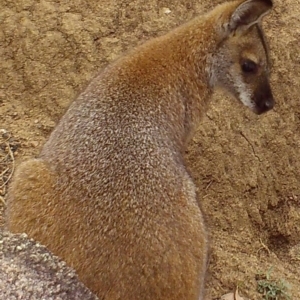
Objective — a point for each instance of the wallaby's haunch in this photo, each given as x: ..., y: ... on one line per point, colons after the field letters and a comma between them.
x: 110, y: 193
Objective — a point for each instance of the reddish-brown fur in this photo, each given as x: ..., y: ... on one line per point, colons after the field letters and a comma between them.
x: 110, y: 193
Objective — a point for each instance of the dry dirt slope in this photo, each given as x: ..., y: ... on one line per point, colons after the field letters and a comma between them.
x: 246, y: 167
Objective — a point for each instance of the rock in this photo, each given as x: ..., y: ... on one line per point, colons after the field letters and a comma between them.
x: 29, y: 271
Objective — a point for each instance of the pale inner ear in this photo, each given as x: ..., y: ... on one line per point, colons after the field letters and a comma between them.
x: 249, y: 13
x: 256, y: 21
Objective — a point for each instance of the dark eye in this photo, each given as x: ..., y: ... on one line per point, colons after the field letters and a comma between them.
x: 249, y: 66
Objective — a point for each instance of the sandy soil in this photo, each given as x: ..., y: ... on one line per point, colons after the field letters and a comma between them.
x: 245, y: 166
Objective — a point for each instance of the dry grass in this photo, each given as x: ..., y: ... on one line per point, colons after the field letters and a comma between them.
x: 8, y: 145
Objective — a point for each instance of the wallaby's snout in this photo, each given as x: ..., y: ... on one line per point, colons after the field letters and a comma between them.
x: 263, y: 98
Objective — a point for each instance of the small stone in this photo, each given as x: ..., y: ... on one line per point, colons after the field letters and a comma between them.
x: 166, y: 10
x: 34, y: 144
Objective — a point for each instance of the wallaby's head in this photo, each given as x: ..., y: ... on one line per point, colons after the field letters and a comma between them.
x: 241, y: 63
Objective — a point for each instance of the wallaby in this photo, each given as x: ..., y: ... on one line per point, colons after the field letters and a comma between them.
x: 110, y: 192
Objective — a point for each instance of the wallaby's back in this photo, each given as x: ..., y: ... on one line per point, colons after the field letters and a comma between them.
x: 110, y: 193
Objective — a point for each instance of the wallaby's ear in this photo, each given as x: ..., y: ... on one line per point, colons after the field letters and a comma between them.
x: 249, y: 13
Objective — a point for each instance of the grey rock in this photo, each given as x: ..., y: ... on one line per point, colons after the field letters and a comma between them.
x: 29, y: 271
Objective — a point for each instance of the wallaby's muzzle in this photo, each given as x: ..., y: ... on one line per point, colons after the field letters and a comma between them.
x: 263, y: 98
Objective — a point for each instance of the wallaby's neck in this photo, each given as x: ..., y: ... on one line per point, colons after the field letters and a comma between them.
x: 193, y: 46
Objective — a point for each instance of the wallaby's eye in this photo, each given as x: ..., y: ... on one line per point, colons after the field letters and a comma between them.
x: 249, y: 66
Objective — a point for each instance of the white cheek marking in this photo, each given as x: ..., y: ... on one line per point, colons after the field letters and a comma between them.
x: 244, y: 93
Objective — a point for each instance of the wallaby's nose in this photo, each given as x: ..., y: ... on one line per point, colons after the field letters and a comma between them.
x: 265, y: 105
x: 263, y: 97
x: 269, y: 104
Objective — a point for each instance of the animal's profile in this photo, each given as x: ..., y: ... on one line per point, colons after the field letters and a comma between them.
x: 110, y: 193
